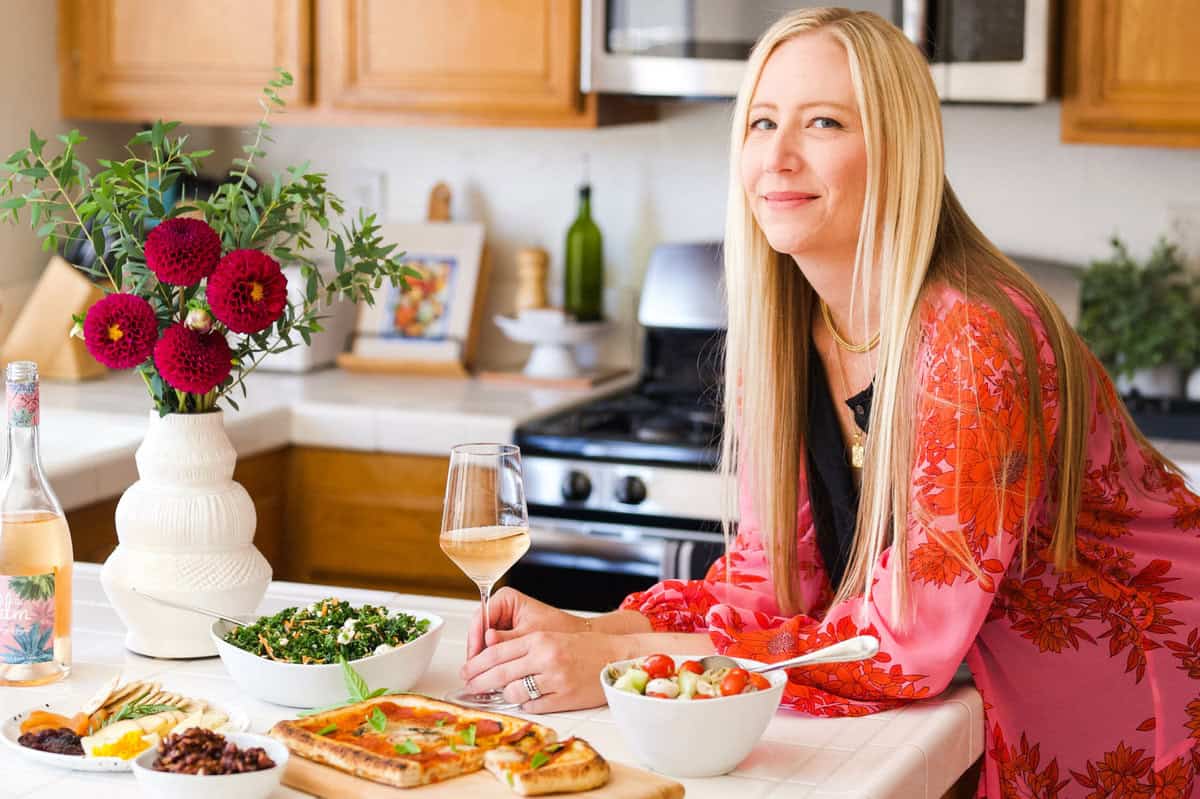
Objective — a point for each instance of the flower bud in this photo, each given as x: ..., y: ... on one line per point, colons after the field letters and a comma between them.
x: 77, y: 330
x: 198, y: 319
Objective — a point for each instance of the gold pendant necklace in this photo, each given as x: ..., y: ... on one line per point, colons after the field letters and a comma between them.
x: 858, y: 450
x: 866, y: 346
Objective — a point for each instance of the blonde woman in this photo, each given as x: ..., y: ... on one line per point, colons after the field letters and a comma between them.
x: 926, y: 452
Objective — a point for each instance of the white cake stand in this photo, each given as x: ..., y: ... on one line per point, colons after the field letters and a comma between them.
x: 553, y: 338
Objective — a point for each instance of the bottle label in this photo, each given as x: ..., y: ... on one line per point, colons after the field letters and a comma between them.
x: 23, y: 404
x: 27, y: 619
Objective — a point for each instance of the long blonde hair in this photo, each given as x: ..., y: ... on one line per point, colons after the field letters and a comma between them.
x: 925, y: 238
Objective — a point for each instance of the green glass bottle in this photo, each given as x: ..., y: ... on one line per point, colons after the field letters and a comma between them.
x: 583, y: 290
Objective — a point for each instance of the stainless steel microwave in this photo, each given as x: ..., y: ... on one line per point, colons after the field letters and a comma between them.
x: 978, y: 50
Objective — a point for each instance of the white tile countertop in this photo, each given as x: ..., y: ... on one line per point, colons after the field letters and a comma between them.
x: 918, y: 751
x: 89, y: 431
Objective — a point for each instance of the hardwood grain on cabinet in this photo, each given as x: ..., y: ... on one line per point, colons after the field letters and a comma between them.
x: 370, y: 520
x: 203, y: 61
x: 94, y: 531
x: 1132, y: 72
x: 460, y: 62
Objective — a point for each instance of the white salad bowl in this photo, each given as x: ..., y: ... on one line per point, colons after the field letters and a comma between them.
x: 690, y: 737
x: 248, y: 785
x: 318, y: 685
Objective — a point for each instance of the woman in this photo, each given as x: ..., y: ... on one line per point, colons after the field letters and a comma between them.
x: 884, y: 361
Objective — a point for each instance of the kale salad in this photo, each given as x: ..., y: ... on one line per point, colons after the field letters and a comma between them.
x: 327, y: 631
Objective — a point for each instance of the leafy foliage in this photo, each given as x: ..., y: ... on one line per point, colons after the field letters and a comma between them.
x: 33, y: 645
x: 1140, y: 316
x: 290, y: 217
x: 36, y: 587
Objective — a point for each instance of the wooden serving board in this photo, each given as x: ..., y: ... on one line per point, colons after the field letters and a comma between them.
x: 626, y: 782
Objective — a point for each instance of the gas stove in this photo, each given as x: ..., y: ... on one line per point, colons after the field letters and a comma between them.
x: 623, y: 491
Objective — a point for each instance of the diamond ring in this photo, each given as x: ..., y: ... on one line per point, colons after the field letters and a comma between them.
x: 531, y: 687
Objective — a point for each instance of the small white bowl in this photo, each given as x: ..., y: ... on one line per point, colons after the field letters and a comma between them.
x: 249, y: 785
x: 318, y: 685
x: 689, y: 737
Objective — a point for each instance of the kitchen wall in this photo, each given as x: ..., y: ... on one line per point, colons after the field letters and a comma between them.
x: 665, y: 181
x: 29, y: 97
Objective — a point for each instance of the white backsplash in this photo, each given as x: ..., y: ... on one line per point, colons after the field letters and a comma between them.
x: 666, y: 181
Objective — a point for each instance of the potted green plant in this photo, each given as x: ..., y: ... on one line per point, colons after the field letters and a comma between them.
x: 1141, y: 319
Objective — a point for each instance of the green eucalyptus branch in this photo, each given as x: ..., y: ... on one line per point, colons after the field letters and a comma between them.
x: 116, y: 207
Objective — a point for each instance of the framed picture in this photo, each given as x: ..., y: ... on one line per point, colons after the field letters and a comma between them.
x: 431, y: 321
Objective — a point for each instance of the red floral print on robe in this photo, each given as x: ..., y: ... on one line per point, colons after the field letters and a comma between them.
x: 1090, y: 677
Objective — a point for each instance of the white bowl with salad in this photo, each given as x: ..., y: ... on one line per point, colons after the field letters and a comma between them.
x: 294, y: 657
x: 683, y: 721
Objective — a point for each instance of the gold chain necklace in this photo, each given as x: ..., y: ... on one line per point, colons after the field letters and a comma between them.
x: 841, y: 342
x: 858, y: 454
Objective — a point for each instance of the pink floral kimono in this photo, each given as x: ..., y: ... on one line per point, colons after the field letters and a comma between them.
x: 1091, y: 677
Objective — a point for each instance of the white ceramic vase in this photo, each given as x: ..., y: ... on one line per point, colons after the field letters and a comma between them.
x: 185, y: 531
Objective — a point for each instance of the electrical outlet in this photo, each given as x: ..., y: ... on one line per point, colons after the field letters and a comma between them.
x: 366, y: 190
x: 1183, y: 229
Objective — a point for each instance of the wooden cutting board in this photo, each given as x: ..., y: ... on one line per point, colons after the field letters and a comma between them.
x: 626, y: 782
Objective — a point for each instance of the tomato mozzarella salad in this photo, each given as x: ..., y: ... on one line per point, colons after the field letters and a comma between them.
x: 658, y: 676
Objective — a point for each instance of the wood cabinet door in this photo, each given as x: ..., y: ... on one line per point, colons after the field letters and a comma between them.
x: 1132, y: 72
x: 194, y: 60
x: 491, y: 61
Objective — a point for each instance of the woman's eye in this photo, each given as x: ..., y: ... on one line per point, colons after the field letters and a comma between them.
x: 833, y: 123
x: 762, y: 123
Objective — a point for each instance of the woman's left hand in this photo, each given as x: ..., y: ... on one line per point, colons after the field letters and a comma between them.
x: 565, y: 668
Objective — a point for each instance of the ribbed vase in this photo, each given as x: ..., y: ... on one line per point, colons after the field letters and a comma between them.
x: 186, y: 533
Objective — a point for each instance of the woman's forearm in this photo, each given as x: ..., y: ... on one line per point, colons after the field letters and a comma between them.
x: 642, y: 644
x: 619, y: 622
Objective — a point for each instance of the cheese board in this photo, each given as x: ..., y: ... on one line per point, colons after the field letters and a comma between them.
x: 625, y: 782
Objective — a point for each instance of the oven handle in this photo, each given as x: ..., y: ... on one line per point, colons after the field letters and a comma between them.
x: 566, y: 539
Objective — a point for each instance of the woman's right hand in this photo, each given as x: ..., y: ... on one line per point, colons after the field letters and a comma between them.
x: 513, y: 614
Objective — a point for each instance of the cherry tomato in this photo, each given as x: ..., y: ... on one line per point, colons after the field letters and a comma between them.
x: 691, y: 665
x: 760, y: 682
x: 659, y: 666
x: 734, y: 682
x: 657, y: 695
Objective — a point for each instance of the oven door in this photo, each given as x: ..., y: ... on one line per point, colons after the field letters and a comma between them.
x: 589, y: 565
x: 684, y: 48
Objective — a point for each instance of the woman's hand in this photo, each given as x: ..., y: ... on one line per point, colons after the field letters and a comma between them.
x: 565, y: 667
x: 513, y: 614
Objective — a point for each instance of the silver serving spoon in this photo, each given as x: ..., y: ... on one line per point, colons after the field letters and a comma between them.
x: 858, y: 648
x: 240, y: 622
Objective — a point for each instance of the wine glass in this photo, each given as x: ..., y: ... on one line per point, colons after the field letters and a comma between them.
x: 485, y: 528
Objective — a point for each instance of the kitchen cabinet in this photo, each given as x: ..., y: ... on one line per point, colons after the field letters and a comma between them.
x: 370, y: 520
x: 1130, y: 72
x: 94, y: 531
x: 355, y: 62
x: 201, y: 61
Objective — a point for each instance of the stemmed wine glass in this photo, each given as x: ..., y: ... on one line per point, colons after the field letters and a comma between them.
x: 485, y: 528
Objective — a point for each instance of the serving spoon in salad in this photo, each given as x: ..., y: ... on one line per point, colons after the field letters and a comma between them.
x: 860, y: 647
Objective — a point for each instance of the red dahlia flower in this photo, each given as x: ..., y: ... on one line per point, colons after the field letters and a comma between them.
x: 247, y: 291
x: 190, y: 361
x: 119, y: 331
x: 182, y: 251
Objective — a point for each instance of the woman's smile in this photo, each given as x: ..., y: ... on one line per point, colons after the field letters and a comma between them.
x: 786, y: 200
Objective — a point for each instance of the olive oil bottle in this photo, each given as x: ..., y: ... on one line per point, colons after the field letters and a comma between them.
x: 583, y: 289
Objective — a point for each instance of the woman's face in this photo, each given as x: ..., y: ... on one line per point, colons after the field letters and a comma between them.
x: 804, y: 161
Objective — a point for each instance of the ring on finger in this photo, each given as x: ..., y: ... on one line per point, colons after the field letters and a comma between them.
x: 531, y: 687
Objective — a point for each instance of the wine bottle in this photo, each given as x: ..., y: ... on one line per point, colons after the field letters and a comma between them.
x: 35, y: 549
x: 584, y: 269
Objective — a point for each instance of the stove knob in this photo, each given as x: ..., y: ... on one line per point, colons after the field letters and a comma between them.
x: 630, y: 490
x: 576, y: 486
